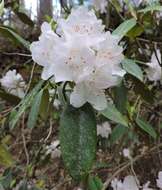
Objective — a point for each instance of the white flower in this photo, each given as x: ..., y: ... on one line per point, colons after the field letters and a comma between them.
x: 159, y: 180
x: 53, y: 149
x: 154, y: 70
x: 83, y: 54
x: 13, y: 83
x: 75, y: 61
x: 104, y: 129
x: 117, y: 184
x: 86, y: 92
x: 126, y: 153
x: 106, y: 73
x: 128, y: 183
x: 100, y: 5
x: 83, y: 24
x: 146, y: 186
x: 43, y: 50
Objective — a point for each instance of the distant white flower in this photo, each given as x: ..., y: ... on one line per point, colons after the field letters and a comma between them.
x: 159, y: 180
x: 154, y: 69
x: 146, y: 186
x: 53, y: 149
x: 117, y: 184
x: 13, y: 83
x: 129, y: 183
x: 104, y: 129
x: 126, y: 153
x: 100, y: 5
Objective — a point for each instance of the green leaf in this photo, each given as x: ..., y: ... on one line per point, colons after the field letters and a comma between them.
x: 152, y: 8
x: 24, y: 104
x: 24, y: 18
x: 117, y: 6
x: 5, y: 157
x: 34, y: 112
x: 1, y: 7
x: 7, y: 31
x: 117, y: 133
x: 146, y: 127
x: 132, y: 68
x: 120, y: 98
x: 137, y: 30
x: 10, y: 98
x: 113, y: 114
x: 124, y: 28
x: 94, y: 183
x: 45, y: 106
x: 78, y: 139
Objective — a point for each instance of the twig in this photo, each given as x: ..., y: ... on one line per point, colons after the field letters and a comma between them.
x: 24, y: 140
x: 20, y: 54
x: 108, y: 181
x: 31, y: 77
x: 50, y: 131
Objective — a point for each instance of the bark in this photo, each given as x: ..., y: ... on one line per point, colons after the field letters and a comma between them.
x: 45, y: 8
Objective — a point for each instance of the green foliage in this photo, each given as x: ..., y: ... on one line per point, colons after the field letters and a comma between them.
x: 113, y: 114
x: 151, y: 8
x: 117, y: 133
x: 1, y: 7
x: 24, y: 18
x: 5, y: 157
x: 94, y: 183
x: 24, y: 105
x: 132, y: 68
x: 9, y: 97
x: 34, y: 112
x: 146, y: 127
x: 11, y: 34
x: 78, y: 140
x: 120, y: 98
x: 124, y: 28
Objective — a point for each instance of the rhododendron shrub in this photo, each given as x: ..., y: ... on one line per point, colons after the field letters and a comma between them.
x: 97, y: 77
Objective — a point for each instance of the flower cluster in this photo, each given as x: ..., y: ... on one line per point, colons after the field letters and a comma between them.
x: 13, y: 83
x: 83, y: 53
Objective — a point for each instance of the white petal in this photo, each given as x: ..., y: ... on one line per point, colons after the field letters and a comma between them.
x: 97, y: 99
x: 77, y: 97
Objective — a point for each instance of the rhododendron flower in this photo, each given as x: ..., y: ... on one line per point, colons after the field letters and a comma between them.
x: 84, y: 24
x: 43, y: 50
x: 154, y: 69
x: 146, y: 186
x: 159, y: 180
x: 129, y: 183
x: 13, y: 83
x: 126, y: 153
x: 83, y: 54
x: 104, y: 129
x: 53, y: 149
x: 100, y: 5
